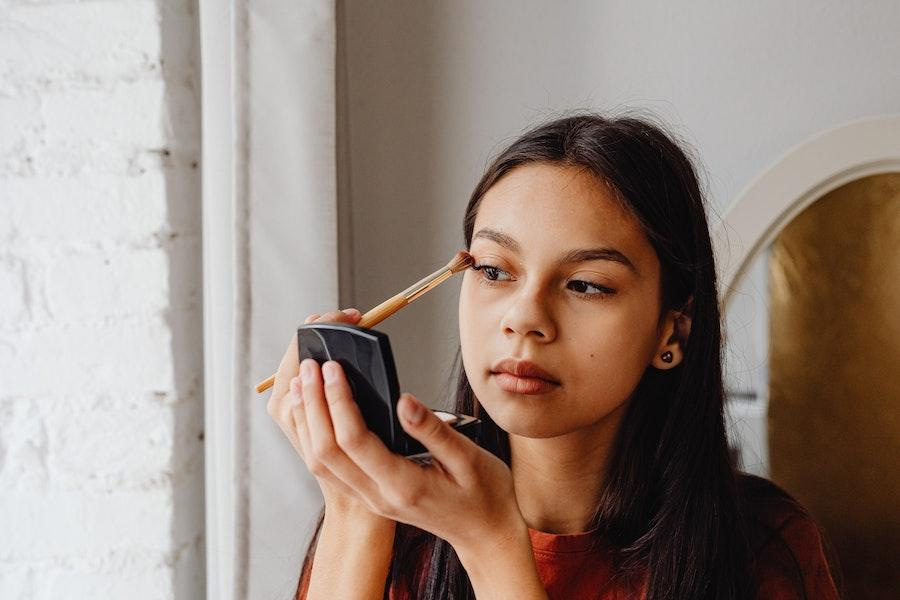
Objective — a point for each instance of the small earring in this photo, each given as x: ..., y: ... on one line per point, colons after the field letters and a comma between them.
x: 667, y: 356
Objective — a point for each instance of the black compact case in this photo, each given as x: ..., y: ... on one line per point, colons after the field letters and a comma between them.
x: 367, y: 360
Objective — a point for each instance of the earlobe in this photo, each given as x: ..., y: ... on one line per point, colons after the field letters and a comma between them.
x: 667, y: 359
x: 678, y: 330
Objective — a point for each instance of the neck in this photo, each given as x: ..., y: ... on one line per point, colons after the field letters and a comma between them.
x: 558, y: 480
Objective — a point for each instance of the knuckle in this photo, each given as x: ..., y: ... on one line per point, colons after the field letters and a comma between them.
x: 376, y: 506
x: 381, y: 507
x: 311, y: 384
x: 294, y: 418
x: 413, y: 496
x: 439, y: 432
x: 470, y: 453
x: 325, y: 452
x: 351, y: 441
x: 283, y: 415
x: 310, y: 393
x: 408, y: 497
x: 467, y: 472
x: 335, y: 385
x: 338, y: 316
x: 335, y: 393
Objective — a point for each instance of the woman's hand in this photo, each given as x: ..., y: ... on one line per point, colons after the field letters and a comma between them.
x: 280, y: 408
x: 465, y: 496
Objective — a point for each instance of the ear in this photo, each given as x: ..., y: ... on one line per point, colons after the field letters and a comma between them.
x: 674, y: 337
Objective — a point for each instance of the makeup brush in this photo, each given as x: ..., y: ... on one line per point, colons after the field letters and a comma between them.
x: 462, y: 261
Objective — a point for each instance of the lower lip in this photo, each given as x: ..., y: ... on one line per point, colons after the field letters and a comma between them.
x: 523, y: 385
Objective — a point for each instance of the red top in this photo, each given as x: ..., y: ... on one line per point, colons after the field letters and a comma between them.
x: 787, y: 546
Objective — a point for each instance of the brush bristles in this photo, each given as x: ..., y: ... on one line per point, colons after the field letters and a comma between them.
x: 462, y: 261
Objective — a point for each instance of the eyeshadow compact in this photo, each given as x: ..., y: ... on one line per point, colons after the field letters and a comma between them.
x: 367, y: 360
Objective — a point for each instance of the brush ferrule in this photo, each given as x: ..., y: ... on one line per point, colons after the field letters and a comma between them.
x: 424, y: 285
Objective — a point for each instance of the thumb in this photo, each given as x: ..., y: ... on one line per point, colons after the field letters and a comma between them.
x: 411, y: 410
x: 444, y: 444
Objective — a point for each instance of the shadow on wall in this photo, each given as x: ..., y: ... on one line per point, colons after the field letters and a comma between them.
x: 179, y: 60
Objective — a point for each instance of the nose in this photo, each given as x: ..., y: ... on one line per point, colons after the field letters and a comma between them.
x: 528, y: 316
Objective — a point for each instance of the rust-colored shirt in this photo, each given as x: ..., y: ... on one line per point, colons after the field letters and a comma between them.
x: 788, y: 555
x: 787, y: 550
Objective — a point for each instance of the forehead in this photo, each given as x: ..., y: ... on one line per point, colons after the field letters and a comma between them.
x: 552, y: 209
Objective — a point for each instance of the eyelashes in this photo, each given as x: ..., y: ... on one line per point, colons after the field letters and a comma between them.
x: 487, y: 276
x: 486, y: 272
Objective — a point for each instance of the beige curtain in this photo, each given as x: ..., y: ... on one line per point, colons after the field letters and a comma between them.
x: 271, y: 229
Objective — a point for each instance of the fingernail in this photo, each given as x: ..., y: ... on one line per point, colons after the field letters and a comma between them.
x: 350, y: 311
x: 414, y: 411
x: 329, y: 370
x: 306, y: 371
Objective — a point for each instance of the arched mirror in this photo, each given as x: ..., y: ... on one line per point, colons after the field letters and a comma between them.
x: 812, y: 328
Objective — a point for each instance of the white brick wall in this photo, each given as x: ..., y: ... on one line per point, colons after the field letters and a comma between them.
x: 101, y: 452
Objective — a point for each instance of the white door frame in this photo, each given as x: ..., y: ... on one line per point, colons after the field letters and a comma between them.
x: 223, y: 364
x: 270, y: 232
x: 868, y: 146
x: 764, y: 208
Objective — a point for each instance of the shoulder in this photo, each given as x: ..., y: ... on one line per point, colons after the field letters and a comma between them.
x: 788, y: 551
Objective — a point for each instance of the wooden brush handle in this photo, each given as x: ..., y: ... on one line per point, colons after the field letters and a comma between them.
x: 265, y: 384
x: 370, y: 319
x: 383, y: 311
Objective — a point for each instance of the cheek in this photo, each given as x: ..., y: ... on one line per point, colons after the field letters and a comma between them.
x: 468, y: 321
x: 610, y: 354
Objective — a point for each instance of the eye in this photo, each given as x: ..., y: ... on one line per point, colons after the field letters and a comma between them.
x: 582, y: 287
x: 489, y: 274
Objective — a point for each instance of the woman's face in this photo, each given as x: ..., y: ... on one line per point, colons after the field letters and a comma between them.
x: 589, y: 321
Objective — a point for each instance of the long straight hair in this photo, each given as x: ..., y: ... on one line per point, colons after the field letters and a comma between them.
x: 670, y: 504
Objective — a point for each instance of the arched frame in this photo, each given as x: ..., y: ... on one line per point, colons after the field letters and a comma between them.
x: 868, y: 146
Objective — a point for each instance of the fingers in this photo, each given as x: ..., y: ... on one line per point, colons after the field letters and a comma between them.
x: 324, y: 444
x: 384, y: 479
x: 452, y: 449
x: 336, y: 424
x: 301, y: 434
x: 286, y: 408
x: 290, y: 366
x: 278, y: 404
x: 347, y: 315
x: 287, y: 369
x: 350, y: 429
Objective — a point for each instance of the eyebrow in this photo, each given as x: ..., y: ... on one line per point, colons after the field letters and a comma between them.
x: 573, y: 256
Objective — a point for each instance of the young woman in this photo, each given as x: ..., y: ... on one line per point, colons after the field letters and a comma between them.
x: 590, y: 344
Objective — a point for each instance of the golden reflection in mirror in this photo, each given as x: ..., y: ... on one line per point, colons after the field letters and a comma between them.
x: 834, y: 375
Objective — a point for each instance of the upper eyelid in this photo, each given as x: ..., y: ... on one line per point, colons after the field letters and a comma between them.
x: 481, y: 265
x: 607, y: 254
x: 478, y: 266
x: 484, y: 265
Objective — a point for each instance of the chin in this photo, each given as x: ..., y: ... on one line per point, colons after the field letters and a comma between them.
x: 524, y: 417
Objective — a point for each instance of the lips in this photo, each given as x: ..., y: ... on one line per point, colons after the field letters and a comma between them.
x: 523, y: 377
x: 523, y: 368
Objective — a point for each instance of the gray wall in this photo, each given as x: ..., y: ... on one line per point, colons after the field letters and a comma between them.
x: 433, y: 90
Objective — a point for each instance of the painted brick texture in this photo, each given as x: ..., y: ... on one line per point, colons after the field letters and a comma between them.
x: 101, y: 445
